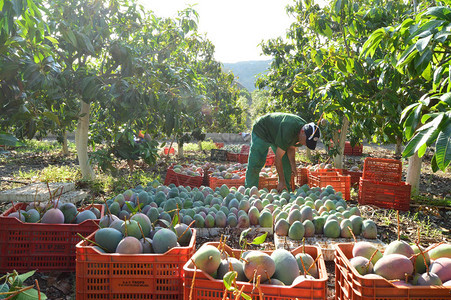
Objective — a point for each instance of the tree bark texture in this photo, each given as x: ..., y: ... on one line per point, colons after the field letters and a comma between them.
x: 81, y: 142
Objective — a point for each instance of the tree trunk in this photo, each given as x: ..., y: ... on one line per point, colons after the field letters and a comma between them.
x: 65, y: 147
x: 413, y: 173
x: 180, y: 150
x: 309, y: 154
x: 81, y: 142
x: 398, y: 149
x: 340, y: 140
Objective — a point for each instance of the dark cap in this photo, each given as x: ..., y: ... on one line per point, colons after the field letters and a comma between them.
x: 313, y: 134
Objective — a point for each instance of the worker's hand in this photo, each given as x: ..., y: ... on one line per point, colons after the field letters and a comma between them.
x: 281, y: 186
x: 294, y: 172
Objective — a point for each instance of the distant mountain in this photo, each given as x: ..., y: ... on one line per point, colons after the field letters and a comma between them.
x: 247, y: 72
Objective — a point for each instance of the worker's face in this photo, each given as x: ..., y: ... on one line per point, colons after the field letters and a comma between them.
x: 302, y: 137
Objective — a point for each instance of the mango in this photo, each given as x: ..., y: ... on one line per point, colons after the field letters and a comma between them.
x: 362, y: 265
x: 307, y: 261
x: 207, y: 258
x: 164, y: 240
x: 369, y: 229
x: 129, y: 245
x: 366, y: 250
x: 286, y: 266
x: 108, y: 238
x: 237, y: 266
x: 332, y: 229
x: 393, y: 266
x: 296, y: 231
x: 442, y: 267
x: 259, y: 263
x: 443, y: 250
x: 399, y: 247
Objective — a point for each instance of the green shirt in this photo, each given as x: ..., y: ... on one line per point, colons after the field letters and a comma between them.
x: 279, y: 129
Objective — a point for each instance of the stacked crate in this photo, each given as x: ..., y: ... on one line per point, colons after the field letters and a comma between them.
x: 381, y: 184
x: 333, y: 177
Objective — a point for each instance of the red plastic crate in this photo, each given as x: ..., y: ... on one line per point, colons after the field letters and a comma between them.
x: 207, y: 288
x: 217, y: 182
x: 131, y: 276
x: 183, y: 180
x: 245, y: 149
x: 270, y: 160
x: 302, y: 176
x: 340, y: 183
x: 385, y: 194
x: 355, y: 177
x: 382, y: 169
x: 350, y: 285
x: 206, y: 179
x: 349, y: 150
x: 232, y: 156
x: 268, y: 182
x: 272, y: 182
x: 37, y: 246
x: 243, y: 158
x: 166, y: 150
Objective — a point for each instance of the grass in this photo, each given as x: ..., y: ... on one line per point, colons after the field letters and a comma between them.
x: 109, y: 186
x: 51, y: 174
x: 434, y: 201
x: 206, y: 145
x: 43, y: 146
x: 421, y: 220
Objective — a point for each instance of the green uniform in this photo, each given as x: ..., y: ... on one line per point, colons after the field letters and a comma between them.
x: 275, y: 130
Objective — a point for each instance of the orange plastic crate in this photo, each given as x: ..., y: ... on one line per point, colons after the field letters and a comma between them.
x: 166, y: 150
x: 207, y: 288
x: 219, y: 145
x: 232, y: 156
x: 355, y: 177
x: 131, y: 276
x: 350, y: 285
x: 349, y: 150
x: 268, y: 182
x: 340, y: 183
x: 37, y: 246
x: 245, y: 149
x: 270, y: 160
x: 243, y: 158
x: 302, y: 176
x: 183, y: 180
x: 385, y: 194
x: 382, y: 169
x: 217, y: 182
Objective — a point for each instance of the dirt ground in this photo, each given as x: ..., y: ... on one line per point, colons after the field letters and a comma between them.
x: 433, y: 222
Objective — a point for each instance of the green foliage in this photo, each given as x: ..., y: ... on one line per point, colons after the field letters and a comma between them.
x: 418, y: 49
x: 7, y: 139
x: 244, y: 243
x: 13, y: 287
x: 319, y: 70
x: 136, y: 70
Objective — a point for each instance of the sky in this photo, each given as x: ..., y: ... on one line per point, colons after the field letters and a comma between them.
x: 235, y: 27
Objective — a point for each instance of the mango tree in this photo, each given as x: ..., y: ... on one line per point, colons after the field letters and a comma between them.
x: 327, y: 72
x: 419, y: 49
x: 27, y: 69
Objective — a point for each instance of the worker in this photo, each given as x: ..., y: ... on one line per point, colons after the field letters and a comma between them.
x: 283, y: 132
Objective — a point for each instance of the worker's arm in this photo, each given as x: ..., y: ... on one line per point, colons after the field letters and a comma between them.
x: 291, y: 152
x: 279, y: 167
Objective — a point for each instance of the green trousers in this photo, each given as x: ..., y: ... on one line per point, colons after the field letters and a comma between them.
x: 257, y: 159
